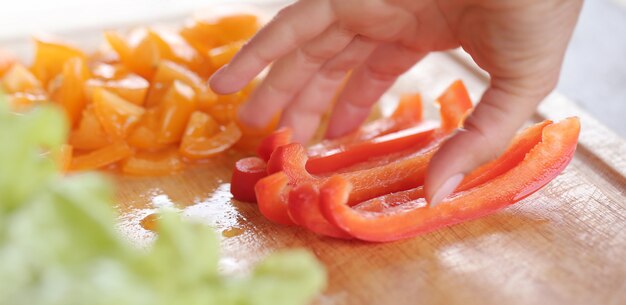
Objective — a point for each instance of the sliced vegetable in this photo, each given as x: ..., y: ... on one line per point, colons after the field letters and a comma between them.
x: 247, y: 172
x: 68, y: 92
x: 19, y: 79
x: 7, y: 59
x: 89, y: 134
x: 153, y: 163
x: 116, y: 114
x: 101, y: 157
x: 389, y: 173
x: 50, y: 57
x: 542, y: 164
x: 130, y: 87
x: 204, y: 147
x: 174, y: 112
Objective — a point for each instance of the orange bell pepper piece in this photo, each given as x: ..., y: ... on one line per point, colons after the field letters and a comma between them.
x: 174, y: 112
x: 201, y: 147
x: 413, y: 217
x: 68, y: 91
x: 116, y: 114
x: 222, y: 55
x: 138, y: 51
x: 208, y: 33
x: 101, y: 157
x: 130, y: 87
x: 20, y: 79
x: 89, y: 134
x: 144, y: 134
x: 168, y: 72
x: 21, y: 101
x: 153, y: 163
x: 174, y: 48
x: 7, y: 60
x: 50, y: 56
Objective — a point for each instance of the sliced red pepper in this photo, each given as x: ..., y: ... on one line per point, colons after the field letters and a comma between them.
x: 542, y: 164
x: 348, y: 155
x: 455, y: 105
x: 407, y: 114
x: 404, y: 173
x: 307, y: 212
x: 514, y: 154
x: 247, y: 172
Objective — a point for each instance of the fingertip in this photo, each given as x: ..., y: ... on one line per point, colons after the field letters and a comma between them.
x: 223, y: 82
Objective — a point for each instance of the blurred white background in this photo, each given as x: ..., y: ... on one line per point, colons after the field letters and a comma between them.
x: 594, y: 73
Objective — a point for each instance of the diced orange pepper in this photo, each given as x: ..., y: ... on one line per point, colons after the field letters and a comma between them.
x: 116, y: 114
x: 144, y: 135
x: 174, y: 112
x: 89, y: 134
x: 224, y: 113
x: 68, y: 92
x: 222, y: 55
x: 119, y: 45
x: 200, y: 125
x: 101, y: 157
x: 138, y: 52
x: 168, y: 72
x: 20, y: 79
x: 50, y: 56
x: 153, y: 163
x: 22, y: 102
x: 130, y: 87
x: 174, y: 48
x: 238, y: 27
x: 7, y: 59
x: 205, y: 147
x: 107, y: 71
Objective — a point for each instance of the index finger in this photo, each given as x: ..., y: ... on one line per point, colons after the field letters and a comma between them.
x: 291, y: 27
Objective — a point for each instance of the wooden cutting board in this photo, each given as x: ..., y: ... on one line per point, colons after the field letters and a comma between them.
x: 566, y: 244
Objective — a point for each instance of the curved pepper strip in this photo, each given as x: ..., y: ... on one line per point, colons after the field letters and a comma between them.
x: 407, y: 114
x: 391, y: 176
x: 513, y: 155
x: 542, y: 164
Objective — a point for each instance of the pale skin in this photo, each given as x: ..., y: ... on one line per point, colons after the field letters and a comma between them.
x: 313, y: 44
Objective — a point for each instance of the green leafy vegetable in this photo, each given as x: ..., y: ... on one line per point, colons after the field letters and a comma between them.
x: 58, y: 244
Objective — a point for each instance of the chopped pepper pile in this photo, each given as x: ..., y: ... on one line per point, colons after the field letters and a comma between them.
x: 140, y: 103
x: 371, y: 188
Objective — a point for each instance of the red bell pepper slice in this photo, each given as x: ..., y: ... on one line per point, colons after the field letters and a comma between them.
x: 514, y: 154
x: 247, y: 172
x: 542, y: 164
x: 307, y: 211
x: 407, y: 114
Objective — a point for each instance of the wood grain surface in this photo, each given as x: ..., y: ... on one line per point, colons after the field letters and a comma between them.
x: 566, y: 244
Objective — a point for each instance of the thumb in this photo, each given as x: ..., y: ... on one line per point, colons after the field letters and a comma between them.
x: 487, y: 131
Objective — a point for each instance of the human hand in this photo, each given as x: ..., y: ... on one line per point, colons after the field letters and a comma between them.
x: 313, y: 44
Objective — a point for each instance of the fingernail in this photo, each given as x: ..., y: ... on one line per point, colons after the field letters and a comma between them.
x: 446, y: 189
